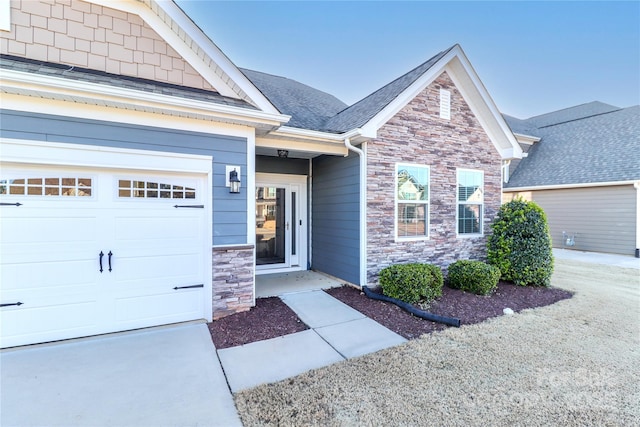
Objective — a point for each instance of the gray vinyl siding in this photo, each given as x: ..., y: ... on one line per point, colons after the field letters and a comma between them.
x: 266, y: 164
x: 229, y: 210
x: 604, y: 218
x: 335, y: 215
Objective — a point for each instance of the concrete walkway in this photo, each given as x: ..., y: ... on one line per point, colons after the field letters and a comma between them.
x: 168, y: 376
x: 338, y: 332
x: 598, y: 258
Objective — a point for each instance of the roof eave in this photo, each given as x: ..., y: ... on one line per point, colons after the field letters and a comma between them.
x: 49, y: 87
x: 571, y: 185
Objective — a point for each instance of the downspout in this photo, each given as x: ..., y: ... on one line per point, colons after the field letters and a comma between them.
x: 363, y: 209
x: 636, y: 185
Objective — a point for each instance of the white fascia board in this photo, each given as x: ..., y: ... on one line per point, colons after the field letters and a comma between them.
x: 568, y: 186
x: 203, y: 55
x: 471, y: 89
x: 100, y: 94
x: 297, y: 133
x: 526, y: 139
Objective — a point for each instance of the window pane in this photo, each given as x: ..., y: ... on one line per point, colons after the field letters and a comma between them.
x: 469, y: 219
x: 34, y: 191
x: 469, y: 186
x: 412, y: 219
x: 413, y: 182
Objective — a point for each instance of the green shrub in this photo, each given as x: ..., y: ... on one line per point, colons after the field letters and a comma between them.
x: 412, y: 282
x: 473, y: 276
x: 520, y: 245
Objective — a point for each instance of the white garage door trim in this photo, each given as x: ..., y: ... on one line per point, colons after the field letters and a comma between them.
x: 23, y: 153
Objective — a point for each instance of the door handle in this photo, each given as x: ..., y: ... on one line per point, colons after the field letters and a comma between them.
x: 101, y: 255
x: 110, y: 254
x: 287, y: 225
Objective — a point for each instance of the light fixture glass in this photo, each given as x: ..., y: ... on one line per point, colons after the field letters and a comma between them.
x: 283, y: 153
x: 234, y: 182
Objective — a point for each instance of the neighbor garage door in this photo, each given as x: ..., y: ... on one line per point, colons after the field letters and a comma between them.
x: 86, y: 251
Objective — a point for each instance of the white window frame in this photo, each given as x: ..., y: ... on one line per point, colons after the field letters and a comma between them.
x: 426, y: 202
x: 458, y: 203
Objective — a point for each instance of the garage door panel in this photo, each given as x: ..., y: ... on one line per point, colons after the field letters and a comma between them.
x: 75, y: 276
x: 36, y: 231
x: 179, y: 229
x: 184, y: 305
x: 163, y: 268
x: 23, y: 324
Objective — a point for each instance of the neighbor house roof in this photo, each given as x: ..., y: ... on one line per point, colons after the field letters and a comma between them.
x: 590, y: 143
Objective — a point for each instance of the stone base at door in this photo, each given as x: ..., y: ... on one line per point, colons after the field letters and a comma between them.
x: 232, y: 279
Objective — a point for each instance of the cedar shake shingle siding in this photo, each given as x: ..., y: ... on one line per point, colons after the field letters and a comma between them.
x: 417, y: 135
x: 81, y: 34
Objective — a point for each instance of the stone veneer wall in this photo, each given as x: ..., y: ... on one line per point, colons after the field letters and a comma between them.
x: 417, y: 135
x: 233, y: 278
x: 86, y: 35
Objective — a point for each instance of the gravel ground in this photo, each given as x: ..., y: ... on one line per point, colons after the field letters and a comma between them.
x: 572, y: 363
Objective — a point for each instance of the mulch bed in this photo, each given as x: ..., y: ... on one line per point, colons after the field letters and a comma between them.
x: 272, y: 318
x: 467, y: 307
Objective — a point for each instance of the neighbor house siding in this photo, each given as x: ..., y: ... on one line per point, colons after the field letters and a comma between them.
x: 229, y: 211
x: 418, y: 135
x: 603, y: 218
x: 335, y: 216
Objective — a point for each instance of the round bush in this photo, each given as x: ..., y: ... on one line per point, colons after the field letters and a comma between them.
x: 520, y: 245
x: 412, y: 282
x: 473, y: 276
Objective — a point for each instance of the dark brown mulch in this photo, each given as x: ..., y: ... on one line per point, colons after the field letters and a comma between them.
x: 270, y: 318
x: 467, y: 307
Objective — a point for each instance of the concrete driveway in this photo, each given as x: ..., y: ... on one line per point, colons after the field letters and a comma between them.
x: 155, y: 377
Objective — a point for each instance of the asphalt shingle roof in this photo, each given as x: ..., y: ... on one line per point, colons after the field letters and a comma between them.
x: 312, y: 109
x: 362, y: 111
x: 572, y: 113
x: 309, y: 108
x: 10, y: 62
x: 604, y: 146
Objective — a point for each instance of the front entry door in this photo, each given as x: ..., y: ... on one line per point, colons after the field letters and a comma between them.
x: 280, y: 222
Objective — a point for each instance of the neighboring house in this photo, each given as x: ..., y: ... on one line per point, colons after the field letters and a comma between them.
x: 583, y: 169
x: 123, y: 124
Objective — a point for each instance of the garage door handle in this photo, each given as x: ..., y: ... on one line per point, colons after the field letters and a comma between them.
x: 101, y: 255
x: 110, y: 254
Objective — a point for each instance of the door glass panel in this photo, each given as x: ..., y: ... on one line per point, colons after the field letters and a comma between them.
x: 293, y: 223
x: 270, y: 225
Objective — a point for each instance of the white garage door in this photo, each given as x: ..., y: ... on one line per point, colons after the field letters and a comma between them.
x: 86, y: 251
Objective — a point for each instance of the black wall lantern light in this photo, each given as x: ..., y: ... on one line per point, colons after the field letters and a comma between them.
x: 233, y: 179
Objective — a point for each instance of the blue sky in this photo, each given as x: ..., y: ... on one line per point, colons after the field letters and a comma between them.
x: 533, y: 57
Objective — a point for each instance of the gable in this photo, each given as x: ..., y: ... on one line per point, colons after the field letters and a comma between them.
x: 460, y: 137
x: 96, y: 37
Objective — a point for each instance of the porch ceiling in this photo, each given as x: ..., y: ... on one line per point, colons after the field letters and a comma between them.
x: 302, y: 149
